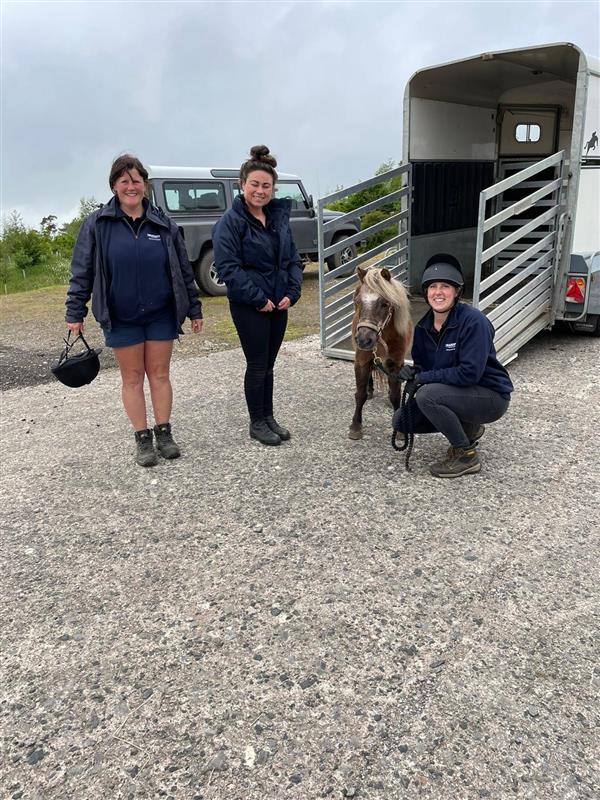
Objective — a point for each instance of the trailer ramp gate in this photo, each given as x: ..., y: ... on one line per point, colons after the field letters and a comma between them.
x: 337, y: 285
x: 518, y: 252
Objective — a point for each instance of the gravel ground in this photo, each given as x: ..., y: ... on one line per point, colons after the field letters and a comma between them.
x: 251, y: 623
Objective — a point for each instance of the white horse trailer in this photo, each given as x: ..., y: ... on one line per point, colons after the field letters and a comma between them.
x: 502, y: 170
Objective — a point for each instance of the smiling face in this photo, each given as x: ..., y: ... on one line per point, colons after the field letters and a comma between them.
x: 257, y: 190
x: 442, y: 296
x: 130, y: 191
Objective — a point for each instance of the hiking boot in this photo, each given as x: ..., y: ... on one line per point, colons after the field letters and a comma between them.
x: 145, y: 453
x: 167, y: 446
x: 457, y: 462
x: 283, y: 433
x: 260, y: 430
x: 474, y: 431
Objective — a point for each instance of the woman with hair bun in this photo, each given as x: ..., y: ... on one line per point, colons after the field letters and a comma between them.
x: 255, y: 256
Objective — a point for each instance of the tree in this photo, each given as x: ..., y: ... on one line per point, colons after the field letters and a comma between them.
x: 48, y: 226
x: 67, y: 235
x: 379, y: 214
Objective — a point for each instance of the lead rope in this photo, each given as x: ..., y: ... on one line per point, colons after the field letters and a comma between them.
x: 409, y: 436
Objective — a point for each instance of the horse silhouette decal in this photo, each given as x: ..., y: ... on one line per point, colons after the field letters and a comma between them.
x: 591, y: 145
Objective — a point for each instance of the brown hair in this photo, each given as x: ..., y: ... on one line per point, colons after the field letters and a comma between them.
x: 260, y: 158
x: 123, y: 164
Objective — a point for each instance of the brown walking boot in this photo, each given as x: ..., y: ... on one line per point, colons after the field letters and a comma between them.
x: 457, y: 462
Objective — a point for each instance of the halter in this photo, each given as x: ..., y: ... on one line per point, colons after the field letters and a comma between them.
x: 378, y: 328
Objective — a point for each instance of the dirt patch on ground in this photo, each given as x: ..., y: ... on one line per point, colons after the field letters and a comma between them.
x: 32, y: 327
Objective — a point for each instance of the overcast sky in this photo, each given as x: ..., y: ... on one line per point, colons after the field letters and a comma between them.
x: 198, y: 83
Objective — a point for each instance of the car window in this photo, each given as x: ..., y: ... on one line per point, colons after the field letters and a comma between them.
x: 292, y: 191
x: 194, y: 197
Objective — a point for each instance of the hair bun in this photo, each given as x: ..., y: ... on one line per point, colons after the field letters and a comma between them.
x: 260, y: 152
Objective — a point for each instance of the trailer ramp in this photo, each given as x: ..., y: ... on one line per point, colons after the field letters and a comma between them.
x: 337, y: 286
x: 518, y: 252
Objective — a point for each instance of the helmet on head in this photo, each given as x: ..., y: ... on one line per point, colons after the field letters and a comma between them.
x: 76, y: 371
x: 445, y: 268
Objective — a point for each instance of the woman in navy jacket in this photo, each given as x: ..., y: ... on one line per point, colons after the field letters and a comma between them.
x: 130, y: 258
x: 457, y: 383
x: 256, y: 258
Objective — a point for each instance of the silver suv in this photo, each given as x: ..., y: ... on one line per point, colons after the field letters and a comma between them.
x: 196, y: 197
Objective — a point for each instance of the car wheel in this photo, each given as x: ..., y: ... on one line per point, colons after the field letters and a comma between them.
x: 206, y: 275
x: 345, y: 254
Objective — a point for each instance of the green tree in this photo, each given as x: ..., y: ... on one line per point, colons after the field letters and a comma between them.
x: 48, y: 226
x: 67, y: 235
x: 379, y: 214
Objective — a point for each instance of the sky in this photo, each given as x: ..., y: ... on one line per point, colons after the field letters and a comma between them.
x: 198, y: 83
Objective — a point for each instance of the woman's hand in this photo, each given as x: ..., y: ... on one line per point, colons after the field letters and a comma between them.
x: 75, y: 327
x: 268, y: 306
x: 285, y: 303
x: 197, y: 325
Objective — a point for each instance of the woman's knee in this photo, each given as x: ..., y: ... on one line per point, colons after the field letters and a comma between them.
x: 427, y: 395
x: 132, y: 379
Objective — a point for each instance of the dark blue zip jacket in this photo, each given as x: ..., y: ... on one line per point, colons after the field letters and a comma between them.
x: 464, y: 353
x: 257, y: 263
x: 91, y: 272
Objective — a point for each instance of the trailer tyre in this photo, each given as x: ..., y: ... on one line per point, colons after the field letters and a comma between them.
x: 344, y: 255
x: 206, y: 275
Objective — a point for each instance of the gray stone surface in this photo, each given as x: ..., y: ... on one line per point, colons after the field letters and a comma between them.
x: 251, y: 623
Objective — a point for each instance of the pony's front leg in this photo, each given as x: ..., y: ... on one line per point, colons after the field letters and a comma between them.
x: 395, y: 387
x: 362, y: 373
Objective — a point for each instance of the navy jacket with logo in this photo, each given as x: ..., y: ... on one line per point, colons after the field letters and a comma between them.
x: 463, y: 353
x: 257, y: 263
x: 130, y: 276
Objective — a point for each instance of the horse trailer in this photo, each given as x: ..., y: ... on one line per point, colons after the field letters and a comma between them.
x: 501, y: 168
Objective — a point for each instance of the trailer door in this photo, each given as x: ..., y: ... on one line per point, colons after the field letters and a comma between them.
x: 515, y: 266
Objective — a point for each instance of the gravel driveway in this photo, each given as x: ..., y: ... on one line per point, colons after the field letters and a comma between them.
x: 251, y: 623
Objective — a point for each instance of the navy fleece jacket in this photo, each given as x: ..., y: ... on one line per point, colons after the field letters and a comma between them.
x: 257, y: 263
x: 462, y: 354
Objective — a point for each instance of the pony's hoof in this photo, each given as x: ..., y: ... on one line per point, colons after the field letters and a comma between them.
x: 352, y: 434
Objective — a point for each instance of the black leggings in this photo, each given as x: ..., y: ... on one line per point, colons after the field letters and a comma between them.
x: 455, y: 411
x: 261, y: 335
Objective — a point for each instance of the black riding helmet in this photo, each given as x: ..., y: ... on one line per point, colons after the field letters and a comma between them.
x: 443, y: 267
x: 77, y: 370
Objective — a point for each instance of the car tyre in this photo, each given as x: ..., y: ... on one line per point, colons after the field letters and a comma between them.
x: 344, y: 255
x: 206, y: 275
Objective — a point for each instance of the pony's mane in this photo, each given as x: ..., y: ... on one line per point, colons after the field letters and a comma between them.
x: 394, y: 292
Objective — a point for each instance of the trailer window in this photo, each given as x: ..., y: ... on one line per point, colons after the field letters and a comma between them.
x: 528, y: 132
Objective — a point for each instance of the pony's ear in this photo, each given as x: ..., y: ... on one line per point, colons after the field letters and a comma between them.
x: 386, y: 274
x: 361, y: 274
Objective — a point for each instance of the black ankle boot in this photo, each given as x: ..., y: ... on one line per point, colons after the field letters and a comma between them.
x: 145, y: 453
x: 260, y: 430
x: 283, y: 433
x: 167, y: 446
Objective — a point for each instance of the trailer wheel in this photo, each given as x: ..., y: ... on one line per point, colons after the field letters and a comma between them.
x: 206, y: 275
x: 344, y: 255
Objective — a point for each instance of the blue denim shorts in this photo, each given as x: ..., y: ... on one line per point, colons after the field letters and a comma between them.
x: 162, y: 329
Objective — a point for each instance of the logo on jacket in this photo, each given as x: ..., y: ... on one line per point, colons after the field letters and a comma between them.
x: 155, y: 237
x: 450, y: 345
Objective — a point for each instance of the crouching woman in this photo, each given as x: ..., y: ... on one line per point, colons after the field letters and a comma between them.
x: 131, y: 260
x: 457, y: 385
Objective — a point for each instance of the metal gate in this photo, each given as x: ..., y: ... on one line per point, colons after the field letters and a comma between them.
x: 337, y: 285
x: 515, y: 273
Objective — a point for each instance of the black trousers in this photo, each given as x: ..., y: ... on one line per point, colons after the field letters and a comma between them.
x: 455, y: 411
x: 261, y: 335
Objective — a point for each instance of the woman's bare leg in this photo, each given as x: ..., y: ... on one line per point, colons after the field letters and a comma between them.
x: 157, y: 359
x: 131, y: 364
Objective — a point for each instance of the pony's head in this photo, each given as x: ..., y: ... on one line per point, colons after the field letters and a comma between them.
x: 378, y: 300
